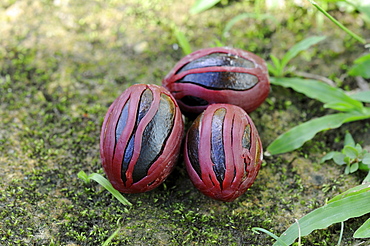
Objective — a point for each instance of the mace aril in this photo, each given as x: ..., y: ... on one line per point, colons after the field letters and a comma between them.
x: 141, y: 138
x: 218, y: 75
x: 223, y: 152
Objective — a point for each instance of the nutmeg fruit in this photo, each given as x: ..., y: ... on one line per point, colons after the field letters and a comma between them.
x: 223, y: 152
x: 218, y: 75
x: 141, y: 138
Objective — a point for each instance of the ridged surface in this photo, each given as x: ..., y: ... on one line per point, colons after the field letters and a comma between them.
x: 223, y: 152
x: 141, y: 138
x: 218, y: 75
x: 154, y: 137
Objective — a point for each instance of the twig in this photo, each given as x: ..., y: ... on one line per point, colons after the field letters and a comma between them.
x: 316, y: 77
x: 362, y: 83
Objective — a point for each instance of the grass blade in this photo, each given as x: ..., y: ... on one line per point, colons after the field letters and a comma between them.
x: 105, y: 183
x: 320, y: 91
x: 363, y: 231
x: 348, y: 140
x: 183, y: 41
x: 353, y: 191
x: 110, y: 238
x: 82, y: 175
x: 297, y: 136
x: 335, y: 212
x: 256, y: 229
x: 114, y: 234
x: 275, y: 68
x: 340, y: 106
x: 362, y: 96
x: 202, y: 5
x: 353, y: 35
x: 361, y: 67
x: 300, y: 46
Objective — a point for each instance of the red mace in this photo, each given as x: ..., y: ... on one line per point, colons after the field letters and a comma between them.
x: 223, y: 152
x: 218, y: 75
x: 141, y: 138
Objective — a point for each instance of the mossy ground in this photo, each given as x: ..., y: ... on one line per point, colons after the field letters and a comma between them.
x: 63, y: 63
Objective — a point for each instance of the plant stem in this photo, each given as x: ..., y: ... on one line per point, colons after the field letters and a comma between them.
x: 114, y: 234
x: 256, y: 229
x: 341, y: 233
x: 355, y: 36
x: 299, y: 233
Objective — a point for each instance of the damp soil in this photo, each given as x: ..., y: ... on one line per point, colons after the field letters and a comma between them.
x: 62, y: 63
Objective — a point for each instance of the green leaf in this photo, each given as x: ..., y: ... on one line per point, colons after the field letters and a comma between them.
x: 114, y: 234
x: 300, y: 46
x: 366, y: 159
x: 347, y: 170
x: 350, y: 192
x: 275, y: 61
x: 111, y: 237
x: 183, y: 41
x: 347, y: 161
x: 353, y: 167
x: 340, y: 25
x: 328, y: 156
x: 361, y: 67
x: 363, y: 231
x: 106, y: 184
x: 367, y: 178
x: 350, y: 151
x: 318, y: 90
x: 365, y: 9
x: 341, y: 210
x: 339, y: 158
x: 203, y: 5
x: 359, y: 149
x: 275, y: 69
x: 256, y: 229
x: 340, y: 106
x: 217, y: 43
x: 363, y: 96
x: 348, y: 140
x: 82, y: 175
x: 297, y: 136
x: 364, y: 167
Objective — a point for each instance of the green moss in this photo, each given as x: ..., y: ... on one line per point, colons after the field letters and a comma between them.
x: 62, y: 64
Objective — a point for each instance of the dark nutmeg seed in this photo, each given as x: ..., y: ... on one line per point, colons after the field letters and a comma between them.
x: 218, y: 75
x: 141, y: 138
x: 223, y: 152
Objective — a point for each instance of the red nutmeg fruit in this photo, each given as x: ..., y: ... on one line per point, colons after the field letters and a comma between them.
x: 223, y: 152
x: 141, y: 138
x: 218, y: 75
